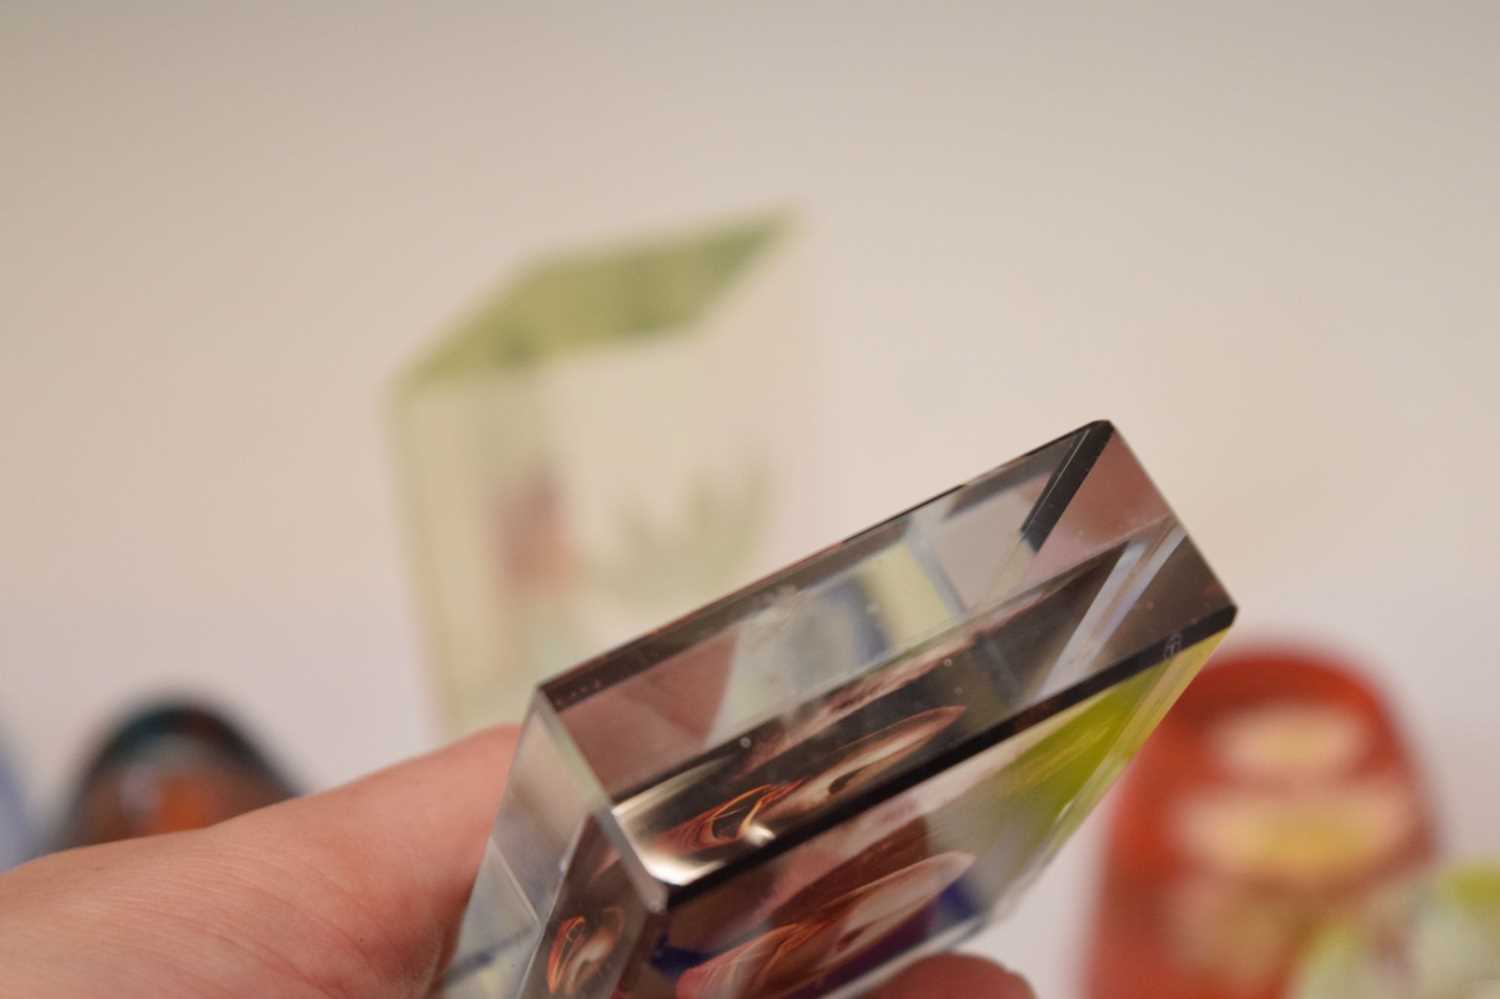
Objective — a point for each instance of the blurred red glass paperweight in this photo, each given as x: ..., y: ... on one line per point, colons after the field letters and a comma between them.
x: 796, y: 789
x: 169, y: 768
x: 1279, y: 793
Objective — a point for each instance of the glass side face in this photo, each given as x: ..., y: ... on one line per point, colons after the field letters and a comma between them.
x: 863, y: 755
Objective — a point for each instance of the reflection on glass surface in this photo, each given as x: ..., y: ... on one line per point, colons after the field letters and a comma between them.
x: 580, y: 948
x: 753, y: 816
x: 795, y: 954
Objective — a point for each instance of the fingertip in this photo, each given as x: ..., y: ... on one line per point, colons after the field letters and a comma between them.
x: 955, y: 975
x: 495, y: 745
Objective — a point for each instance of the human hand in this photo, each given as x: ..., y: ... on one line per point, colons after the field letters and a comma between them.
x: 354, y: 892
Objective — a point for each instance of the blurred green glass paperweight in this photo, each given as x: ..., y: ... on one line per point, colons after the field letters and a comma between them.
x: 797, y: 788
x: 1433, y: 937
x: 608, y: 443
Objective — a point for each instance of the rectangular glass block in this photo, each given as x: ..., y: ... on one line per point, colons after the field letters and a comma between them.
x: 798, y: 788
x: 536, y: 538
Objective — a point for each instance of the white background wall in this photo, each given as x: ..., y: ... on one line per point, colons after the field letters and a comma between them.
x: 1263, y: 240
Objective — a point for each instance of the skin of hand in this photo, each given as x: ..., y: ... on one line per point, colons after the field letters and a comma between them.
x: 355, y: 892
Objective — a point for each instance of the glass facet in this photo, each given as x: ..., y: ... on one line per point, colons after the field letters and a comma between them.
x: 797, y: 788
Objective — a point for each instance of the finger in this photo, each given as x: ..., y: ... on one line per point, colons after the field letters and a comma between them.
x: 352, y: 892
x: 392, y: 856
x: 955, y: 975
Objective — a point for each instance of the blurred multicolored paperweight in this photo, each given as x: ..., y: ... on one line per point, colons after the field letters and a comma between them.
x: 608, y: 443
x: 168, y: 768
x: 854, y: 761
x: 1279, y: 794
x: 1433, y: 937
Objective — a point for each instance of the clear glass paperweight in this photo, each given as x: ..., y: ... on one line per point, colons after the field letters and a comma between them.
x: 798, y: 788
x: 619, y: 434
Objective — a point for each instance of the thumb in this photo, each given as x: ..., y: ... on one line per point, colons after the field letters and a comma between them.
x: 356, y: 891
